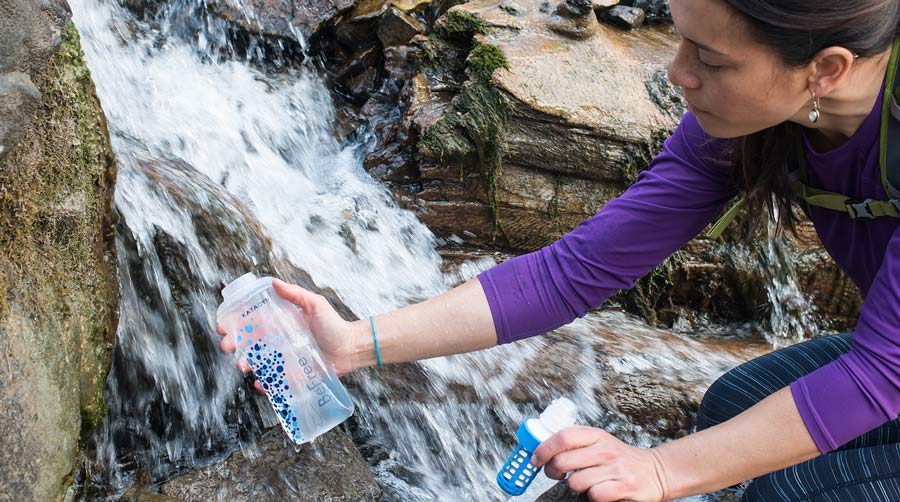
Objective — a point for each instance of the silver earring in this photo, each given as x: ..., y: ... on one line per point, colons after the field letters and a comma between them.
x: 814, y: 114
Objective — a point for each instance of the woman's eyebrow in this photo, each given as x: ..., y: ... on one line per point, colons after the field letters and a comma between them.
x: 706, y: 47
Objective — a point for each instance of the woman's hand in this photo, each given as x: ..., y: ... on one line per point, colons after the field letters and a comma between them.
x: 604, y: 467
x: 338, y: 339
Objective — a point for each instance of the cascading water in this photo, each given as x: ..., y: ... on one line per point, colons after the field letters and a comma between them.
x: 227, y: 167
x: 792, y: 317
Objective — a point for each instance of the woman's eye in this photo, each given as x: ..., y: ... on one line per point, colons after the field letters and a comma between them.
x: 707, y: 66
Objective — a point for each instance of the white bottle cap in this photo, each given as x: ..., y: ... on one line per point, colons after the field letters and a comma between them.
x: 236, y: 285
x: 560, y: 414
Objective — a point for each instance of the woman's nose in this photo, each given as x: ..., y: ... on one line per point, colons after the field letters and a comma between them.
x: 681, y: 72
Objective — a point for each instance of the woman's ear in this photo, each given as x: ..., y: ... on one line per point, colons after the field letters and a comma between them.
x: 829, y: 68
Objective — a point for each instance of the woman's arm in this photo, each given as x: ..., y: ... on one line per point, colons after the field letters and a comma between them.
x: 455, y: 322
x: 766, y: 437
x: 452, y: 323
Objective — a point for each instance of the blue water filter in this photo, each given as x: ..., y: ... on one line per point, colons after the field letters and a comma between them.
x: 518, y: 473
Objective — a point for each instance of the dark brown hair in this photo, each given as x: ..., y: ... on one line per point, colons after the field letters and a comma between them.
x: 798, y: 30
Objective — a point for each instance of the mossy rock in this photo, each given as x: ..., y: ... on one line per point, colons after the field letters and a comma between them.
x: 58, y: 285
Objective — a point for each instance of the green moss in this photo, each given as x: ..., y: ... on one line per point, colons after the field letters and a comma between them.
x: 459, y: 24
x: 446, y: 139
x: 484, y: 60
x: 475, y: 126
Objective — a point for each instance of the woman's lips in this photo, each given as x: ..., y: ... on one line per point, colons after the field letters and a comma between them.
x: 693, y: 108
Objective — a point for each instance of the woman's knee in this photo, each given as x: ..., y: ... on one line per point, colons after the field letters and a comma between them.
x: 722, y: 401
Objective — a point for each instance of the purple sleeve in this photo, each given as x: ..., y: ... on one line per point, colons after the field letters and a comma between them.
x: 860, y: 390
x: 686, y: 186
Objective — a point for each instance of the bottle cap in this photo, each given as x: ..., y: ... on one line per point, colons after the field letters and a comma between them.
x: 236, y: 285
x: 560, y: 414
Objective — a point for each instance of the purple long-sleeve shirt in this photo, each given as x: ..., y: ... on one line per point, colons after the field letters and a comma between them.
x: 686, y: 187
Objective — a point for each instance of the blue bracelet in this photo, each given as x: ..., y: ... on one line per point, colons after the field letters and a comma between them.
x: 375, y: 337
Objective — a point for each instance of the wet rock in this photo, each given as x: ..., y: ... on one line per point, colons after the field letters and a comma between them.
x: 19, y: 99
x: 655, y: 10
x: 603, y: 5
x: 355, y: 76
x: 136, y: 494
x: 561, y: 493
x: 575, y: 19
x: 58, y: 284
x: 666, y: 96
x: 410, y: 6
x: 512, y: 8
x: 359, y: 28
x: 625, y: 17
x: 390, y: 164
x: 662, y: 410
x: 574, y: 8
x: 397, y: 63
x: 275, y: 471
x: 281, y: 18
x: 398, y: 28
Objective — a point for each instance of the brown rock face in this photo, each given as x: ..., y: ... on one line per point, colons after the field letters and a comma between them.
x: 398, y: 28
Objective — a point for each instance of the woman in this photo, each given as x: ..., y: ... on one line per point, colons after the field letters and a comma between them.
x: 810, y: 422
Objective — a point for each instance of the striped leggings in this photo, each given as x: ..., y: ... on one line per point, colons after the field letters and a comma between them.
x: 866, y: 469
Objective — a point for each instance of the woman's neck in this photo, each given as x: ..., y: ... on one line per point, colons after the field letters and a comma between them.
x: 843, y: 112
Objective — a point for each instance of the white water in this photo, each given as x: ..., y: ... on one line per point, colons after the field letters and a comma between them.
x: 256, y: 150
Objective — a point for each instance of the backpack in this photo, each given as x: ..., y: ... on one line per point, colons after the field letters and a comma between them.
x: 889, y: 160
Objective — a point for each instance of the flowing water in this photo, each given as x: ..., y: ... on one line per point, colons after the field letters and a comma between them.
x: 792, y: 318
x: 228, y: 163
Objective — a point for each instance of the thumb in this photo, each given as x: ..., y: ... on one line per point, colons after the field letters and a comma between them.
x: 300, y: 297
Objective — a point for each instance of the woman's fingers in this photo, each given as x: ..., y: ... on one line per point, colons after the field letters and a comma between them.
x: 306, y: 300
x: 582, y: 480
x: 258, y: 386
x: 610, y: 491
x: 571, y: 438
x: 227, y: 343
x: 580, y: 458
x: 243, y: 366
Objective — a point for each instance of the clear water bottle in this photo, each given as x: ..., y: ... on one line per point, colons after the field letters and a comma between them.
x: 518, y: 473
x: 270, y: 333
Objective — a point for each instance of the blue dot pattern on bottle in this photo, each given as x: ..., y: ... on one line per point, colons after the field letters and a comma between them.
x: 268, y: 366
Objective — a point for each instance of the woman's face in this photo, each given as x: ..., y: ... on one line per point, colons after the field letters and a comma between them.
x: 734, y: 85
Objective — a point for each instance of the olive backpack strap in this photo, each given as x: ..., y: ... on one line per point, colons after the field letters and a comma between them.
x: 890, y: 131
